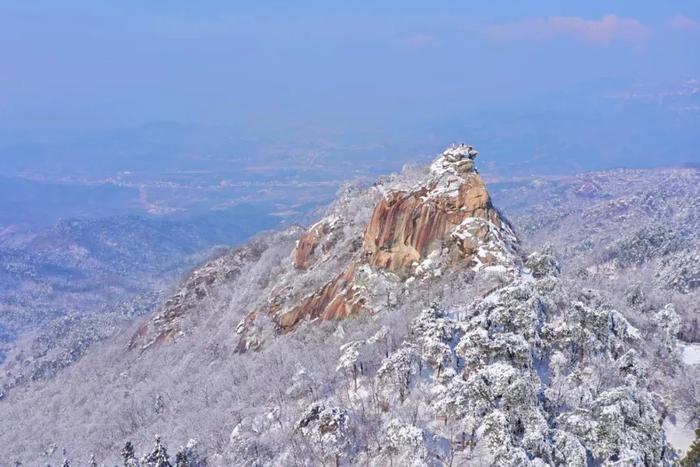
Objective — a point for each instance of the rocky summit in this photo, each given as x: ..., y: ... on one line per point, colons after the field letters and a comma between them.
x: 450, y: 209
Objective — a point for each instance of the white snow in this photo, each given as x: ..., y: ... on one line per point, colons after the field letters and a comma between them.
x: 460, y: 150
x: 444, y: 179
x: 680, y: 435
x: 691, y: 353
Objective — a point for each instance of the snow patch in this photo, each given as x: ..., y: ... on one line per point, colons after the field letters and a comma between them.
x: 679, y: 433
x: 691, y: 353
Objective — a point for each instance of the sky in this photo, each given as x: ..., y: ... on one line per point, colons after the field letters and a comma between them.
x: 73, y: 67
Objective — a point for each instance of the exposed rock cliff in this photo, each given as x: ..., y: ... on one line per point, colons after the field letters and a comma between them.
x: 406, y: 225
x: 306, y: 245
x: 336, y: 300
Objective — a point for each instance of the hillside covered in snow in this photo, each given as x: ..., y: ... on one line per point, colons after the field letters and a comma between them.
x: 415, y: 323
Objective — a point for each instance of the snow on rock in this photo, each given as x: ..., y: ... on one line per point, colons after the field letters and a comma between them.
x: 406, y: 224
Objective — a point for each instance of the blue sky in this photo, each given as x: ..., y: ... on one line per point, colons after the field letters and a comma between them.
x: 76, y: 66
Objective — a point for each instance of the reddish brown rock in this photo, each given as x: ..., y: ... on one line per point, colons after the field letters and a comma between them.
x: 404, y: 225
x: 306, y: 246
x: 336, y: 300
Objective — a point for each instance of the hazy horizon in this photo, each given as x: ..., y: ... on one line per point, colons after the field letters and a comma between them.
x: 313, y: 71
x: 183, y: 108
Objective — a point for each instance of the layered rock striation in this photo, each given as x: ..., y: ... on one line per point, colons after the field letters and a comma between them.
x: 405, y: 225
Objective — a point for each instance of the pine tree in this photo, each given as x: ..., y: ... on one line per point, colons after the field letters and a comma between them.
x: 128, y: 455
x: 188, y: 456
x: 93, y: 462
x: 65, y: 463
x: 159, y: 405
x: 692, y: 458
x: 181, y: 459
x: 158, y: 457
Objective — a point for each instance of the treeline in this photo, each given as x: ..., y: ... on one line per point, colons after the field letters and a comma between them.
x: 186, y: 456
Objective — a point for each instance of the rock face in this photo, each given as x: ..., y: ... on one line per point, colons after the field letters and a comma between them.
x: 306, y: 246
x: 405, y: 225
x: 336, y: 300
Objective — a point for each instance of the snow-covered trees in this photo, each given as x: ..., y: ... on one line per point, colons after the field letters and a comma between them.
x: 621, y: 425
x: 398, y: 368
x: 687, y: 392
x: 406, y: 444
x: 532, y: 371
x: 128, y: 455
x: 189, y: 456
x: 158, y: 457
x: 326, y: 429
x: 542, y: 264
x: 247, y: 442
x: 434, y: 334
x: 348, y: 362
x: 669, y: 323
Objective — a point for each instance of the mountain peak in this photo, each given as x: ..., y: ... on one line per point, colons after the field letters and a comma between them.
x: 406, y: 224
x: 458, y: 159
x: 451, y: 167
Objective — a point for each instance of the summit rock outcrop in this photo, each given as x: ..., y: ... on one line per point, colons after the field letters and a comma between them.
x: 406, y: 224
